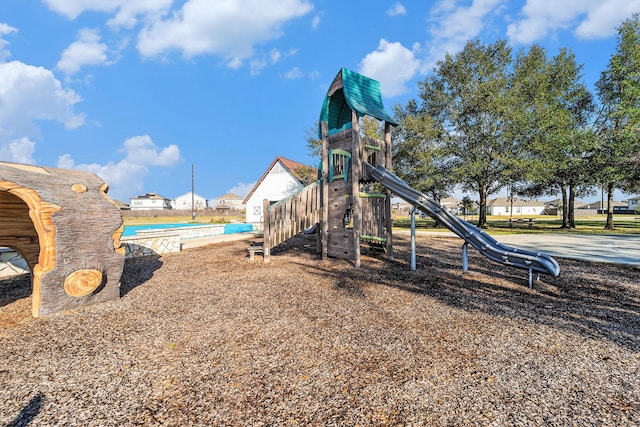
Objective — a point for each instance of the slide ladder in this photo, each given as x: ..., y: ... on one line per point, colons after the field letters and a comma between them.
x: 488, y: 246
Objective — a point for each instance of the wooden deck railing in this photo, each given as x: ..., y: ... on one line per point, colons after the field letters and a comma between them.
x: 290, y: 216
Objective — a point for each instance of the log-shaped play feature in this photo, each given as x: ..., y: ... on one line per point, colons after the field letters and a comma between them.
x: 67, y: 230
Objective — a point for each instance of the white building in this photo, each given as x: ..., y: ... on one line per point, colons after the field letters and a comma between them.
x: 150, y: 201
x: 514, y: 207
x: 281, y: 179
x: 228, y: 201
x: 183, y: 202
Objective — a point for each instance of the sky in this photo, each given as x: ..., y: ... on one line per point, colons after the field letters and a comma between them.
x: 143, y: 92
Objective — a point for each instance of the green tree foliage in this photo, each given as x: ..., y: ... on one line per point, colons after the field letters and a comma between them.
x: 418, y: 156
x: 467, y: 95
x: 314, y: 144
x: 548, y: 123
x: 619, y: 92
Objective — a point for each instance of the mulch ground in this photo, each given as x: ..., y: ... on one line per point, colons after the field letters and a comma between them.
x: 206, y: 337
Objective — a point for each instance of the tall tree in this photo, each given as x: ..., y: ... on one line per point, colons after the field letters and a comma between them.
x: 467, y: 95
x: 418, y: 152
x: 619, y: 93
x: 550, y: 108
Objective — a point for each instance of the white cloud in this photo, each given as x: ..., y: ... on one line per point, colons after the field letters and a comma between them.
x: 393, y: 65
x: 72, y: 8
x: 19, y: 151
x: 275, y: 55
x: 140, y: 149
x: 30, y: 94
x: 454, y: 25
x: 241, y: 189
x: 87, y: 50
x: 130, y: 10
x: 126, y: 177
x: 220, y: 28
x: 603, y: 19
x: 293, y: 74
x: 588, y: 19
x: 256, y: 66
x: 5, y: 29
x: 126, y: 13
x: 396, y: 9
x: 315, y: 22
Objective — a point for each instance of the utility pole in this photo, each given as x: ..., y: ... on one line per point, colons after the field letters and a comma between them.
x: 193, y: 195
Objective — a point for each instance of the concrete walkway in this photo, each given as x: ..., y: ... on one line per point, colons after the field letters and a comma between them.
x: 611, y: 248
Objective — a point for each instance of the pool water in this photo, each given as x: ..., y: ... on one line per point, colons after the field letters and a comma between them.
x: 130, y: 230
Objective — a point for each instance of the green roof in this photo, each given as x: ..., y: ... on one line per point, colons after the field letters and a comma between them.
x: 348, y: 92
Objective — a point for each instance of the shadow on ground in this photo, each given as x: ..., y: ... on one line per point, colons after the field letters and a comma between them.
x: 595, y: 300
x: 28, y: 413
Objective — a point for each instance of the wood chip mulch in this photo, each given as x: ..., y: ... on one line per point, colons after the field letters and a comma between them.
x: 207, y: 338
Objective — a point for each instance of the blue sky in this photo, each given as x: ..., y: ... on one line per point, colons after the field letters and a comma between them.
x: 138, y: 91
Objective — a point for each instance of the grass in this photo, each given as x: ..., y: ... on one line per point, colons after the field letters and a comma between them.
x: 166, y: 219
x: 624, y: 224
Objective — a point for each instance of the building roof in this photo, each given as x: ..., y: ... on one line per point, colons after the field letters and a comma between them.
x: 290, y: 165
x: 188, y: 193
x: 348, y: 92
x: 558, y: 202
x: 122, y: 205
x: 506, y: 201
x: 450, y: 201
x: 229, y: 196
x: 155, y: 196
x: 600, y: 204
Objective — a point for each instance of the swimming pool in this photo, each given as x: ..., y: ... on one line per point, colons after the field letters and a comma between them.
x: 131, y: 230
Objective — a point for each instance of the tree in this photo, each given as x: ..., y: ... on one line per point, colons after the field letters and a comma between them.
x: 549, y: 113
x: 619, y: 92
x: 418, y: 152
x: 467, y: 96
x: 468, y: 206
x: 314, y: 144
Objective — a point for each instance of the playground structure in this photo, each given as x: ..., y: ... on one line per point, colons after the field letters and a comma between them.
x: 67, y: 230
x: 343, y: 206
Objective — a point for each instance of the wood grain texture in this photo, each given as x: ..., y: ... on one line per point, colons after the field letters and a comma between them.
x: 61, y: 221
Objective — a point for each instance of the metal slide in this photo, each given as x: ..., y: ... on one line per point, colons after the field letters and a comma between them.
x: 487, y: 245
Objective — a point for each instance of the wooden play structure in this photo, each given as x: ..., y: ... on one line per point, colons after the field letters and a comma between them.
x: 67, y: 230
x: 351, y: 205
x: 343, y: 205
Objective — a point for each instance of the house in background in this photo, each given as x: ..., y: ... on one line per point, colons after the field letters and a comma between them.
x: 514, y: 206
x: 184, y: 202
x: 150, y: 201
x: 554, y: 207
x: 452, y: 204
x: 229, y: 201
x: 122, y: 205
x: 634, y: 204
x: 600, y: 207
x: 281, y: 179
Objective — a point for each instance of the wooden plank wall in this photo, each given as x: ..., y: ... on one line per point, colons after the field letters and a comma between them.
x: 373, y: 217
x: 292, y: 215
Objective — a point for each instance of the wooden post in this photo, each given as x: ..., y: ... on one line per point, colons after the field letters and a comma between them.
x: 356, y: 168
x: 324, y: 216
x: 266, y: 232
x: 387, y: 203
